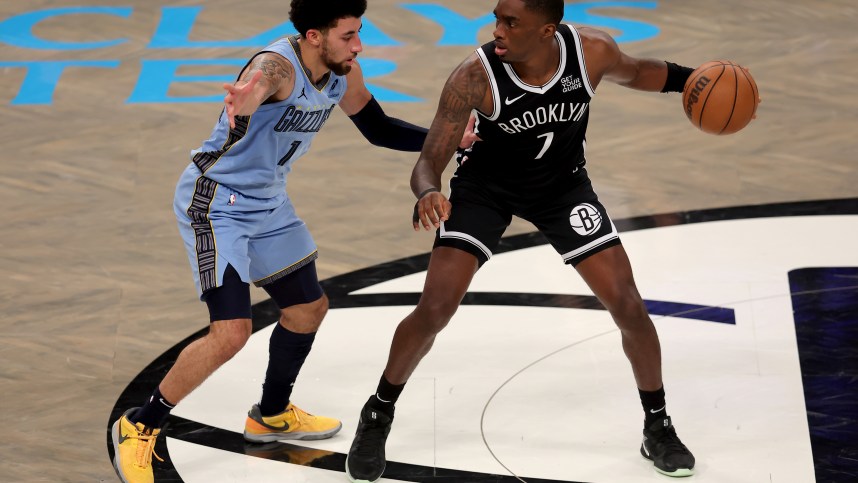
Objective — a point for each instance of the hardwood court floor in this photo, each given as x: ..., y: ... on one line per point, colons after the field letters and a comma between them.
x: 95, y: 283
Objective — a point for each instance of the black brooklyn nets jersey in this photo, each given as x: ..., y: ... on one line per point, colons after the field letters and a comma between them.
x: 534, y: 139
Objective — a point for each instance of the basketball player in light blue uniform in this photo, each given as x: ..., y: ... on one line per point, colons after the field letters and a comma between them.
x: 239, y: 174
x: 239, y: 225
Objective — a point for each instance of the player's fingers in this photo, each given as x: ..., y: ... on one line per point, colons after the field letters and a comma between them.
x: 469, y: 137
x: 448, y: 207
x: 759, y: 101
x: 231, y: 118
x: 415, y: 216
x: 465, y: 142
x: 441, y: 207
x: 428, y: 218
x: 440, y: 212
x: 424, y: 220
x: 254, y: 79
x: 431, y: 218
x: 471, y: 122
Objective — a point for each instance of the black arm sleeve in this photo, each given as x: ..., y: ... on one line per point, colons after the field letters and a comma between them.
x: 676, y: 77
x: 388, y: 132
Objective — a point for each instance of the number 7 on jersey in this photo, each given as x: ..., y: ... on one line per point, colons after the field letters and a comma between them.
x: 549, y: 136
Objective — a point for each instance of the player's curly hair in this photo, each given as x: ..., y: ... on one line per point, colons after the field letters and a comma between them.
x: 323, y: 14
x: 551, y: 9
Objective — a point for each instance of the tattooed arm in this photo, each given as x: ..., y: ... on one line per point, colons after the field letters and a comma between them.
x: 269, y: 76
x: 466, y: 89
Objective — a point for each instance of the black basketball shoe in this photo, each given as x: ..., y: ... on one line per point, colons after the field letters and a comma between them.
x: 365, y: 462
x: 662, y: 446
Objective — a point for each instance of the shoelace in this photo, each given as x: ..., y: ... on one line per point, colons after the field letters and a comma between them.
x: 300, y: 415
x: 370, y: 438
x: 669, y: 441
x: 145, y: 449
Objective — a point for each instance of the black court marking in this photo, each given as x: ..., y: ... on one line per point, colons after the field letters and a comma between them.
x: 338, y: 290
x: 193, y: 432
x: 825, y: 308
x: 528, y: 299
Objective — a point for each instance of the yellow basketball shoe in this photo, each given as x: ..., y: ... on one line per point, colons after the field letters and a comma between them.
x: 133, y: 447
x: 293, y: 423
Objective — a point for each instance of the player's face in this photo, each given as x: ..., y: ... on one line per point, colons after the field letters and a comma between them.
x: 341, y: 45
x: 517, y: 31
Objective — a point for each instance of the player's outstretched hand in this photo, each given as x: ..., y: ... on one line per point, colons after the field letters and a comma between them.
x: 238, y: 96
x: 430, y: 211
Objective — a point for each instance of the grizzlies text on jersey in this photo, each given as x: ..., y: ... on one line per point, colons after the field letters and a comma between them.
x: 255, y: 157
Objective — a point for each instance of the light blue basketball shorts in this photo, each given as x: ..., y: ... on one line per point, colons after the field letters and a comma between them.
x: 263, y: 239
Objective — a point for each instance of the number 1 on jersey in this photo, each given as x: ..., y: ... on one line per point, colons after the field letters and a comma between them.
x: 549, y: 136
x: 291, y: 153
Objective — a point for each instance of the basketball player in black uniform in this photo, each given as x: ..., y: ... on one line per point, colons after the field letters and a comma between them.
x: 531, y: 90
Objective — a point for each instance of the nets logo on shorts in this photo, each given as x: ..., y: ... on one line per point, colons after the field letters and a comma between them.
x: 585, y: 219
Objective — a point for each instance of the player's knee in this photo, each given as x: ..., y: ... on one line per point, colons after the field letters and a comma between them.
x: 233, y: 344
x: 313, y: 312
x: 626, y: 306
x: 305, y: 318
x: 321, y: 308
x: 230, y: 336
x: 435, y: 315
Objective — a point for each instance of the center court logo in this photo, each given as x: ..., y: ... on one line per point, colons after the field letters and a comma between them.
x: 188, y: 438
x: 585, y: 219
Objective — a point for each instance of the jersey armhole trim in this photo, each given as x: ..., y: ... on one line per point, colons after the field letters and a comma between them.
x: 579, y: 48
x: 493, y: 85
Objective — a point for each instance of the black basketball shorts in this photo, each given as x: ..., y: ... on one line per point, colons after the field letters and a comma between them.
x: 573, y: 220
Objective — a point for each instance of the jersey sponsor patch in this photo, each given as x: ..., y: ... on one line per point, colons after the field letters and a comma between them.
x: 571, y: 83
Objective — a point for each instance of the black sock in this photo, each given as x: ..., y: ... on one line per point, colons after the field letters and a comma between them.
x: 287, y: 351
x: 154, y: 412
x: 386, y: 396
x: 654, y: 405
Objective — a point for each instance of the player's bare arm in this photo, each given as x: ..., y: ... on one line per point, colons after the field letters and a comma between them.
x: 605, y: 60
x: 466, y: 89
x: 369, y: 117
x: 357, y: 95
x: 268, y: 77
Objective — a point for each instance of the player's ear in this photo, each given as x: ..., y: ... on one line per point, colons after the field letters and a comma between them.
x: 314, y: 37
x: 548, y: 30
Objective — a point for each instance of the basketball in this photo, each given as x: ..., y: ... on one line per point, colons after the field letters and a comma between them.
x: 720, y: 97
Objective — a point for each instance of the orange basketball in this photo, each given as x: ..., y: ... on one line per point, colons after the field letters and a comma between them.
x: 720, y: 97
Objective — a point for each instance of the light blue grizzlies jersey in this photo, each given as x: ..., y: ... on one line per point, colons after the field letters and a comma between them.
x: 255, y: 157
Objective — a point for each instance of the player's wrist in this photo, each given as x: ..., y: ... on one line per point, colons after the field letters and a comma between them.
x: 427, y: 191
x: 677, y: 75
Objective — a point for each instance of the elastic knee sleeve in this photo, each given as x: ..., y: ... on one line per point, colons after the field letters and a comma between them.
x: 299, y: 287
x: 231, y: 300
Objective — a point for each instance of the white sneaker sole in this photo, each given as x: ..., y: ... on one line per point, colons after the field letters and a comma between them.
x: 304, y: 436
